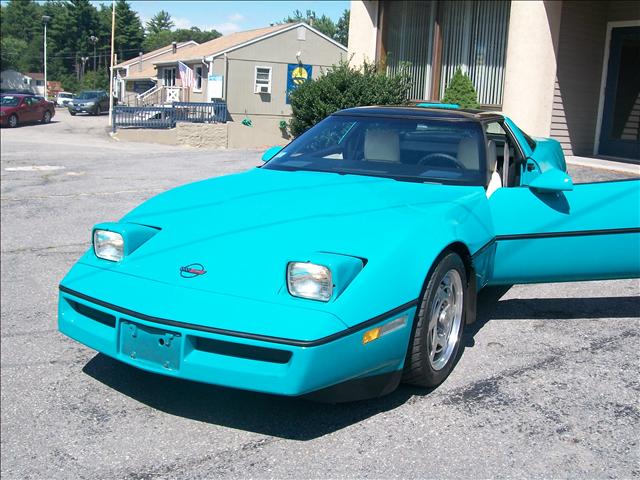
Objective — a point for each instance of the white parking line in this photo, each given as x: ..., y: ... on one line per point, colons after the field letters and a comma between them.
x: 35, y: 168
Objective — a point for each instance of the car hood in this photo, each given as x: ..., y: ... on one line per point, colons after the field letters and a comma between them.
x: 244, y: 228
x: 6, y: 108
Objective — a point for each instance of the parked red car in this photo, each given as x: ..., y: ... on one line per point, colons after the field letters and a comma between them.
x: 19, y: 108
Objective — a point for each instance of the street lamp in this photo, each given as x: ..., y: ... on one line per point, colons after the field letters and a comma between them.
x: 45, y: 20
x: 84, y: 60
x: 93, y: 39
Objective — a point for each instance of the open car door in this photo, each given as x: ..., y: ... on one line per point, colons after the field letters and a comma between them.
x: 591, y: 232
x: 549, y: 230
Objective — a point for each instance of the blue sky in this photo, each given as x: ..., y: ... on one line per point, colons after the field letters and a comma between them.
x: 228, y: 17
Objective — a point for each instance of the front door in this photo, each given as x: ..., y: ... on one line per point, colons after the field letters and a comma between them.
x: 620, y: 131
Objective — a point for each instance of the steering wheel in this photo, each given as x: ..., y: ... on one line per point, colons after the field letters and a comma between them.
x: 429, y: 156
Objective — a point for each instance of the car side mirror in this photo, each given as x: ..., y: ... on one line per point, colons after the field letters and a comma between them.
x: 553, y: 180
x: 270, y: 153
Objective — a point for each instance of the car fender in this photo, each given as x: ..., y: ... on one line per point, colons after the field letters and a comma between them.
x: 397, y: 274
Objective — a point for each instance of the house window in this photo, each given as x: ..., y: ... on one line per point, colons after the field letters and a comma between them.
x: 262, y: 82
x: 197, y: 85
x: 169, y: 77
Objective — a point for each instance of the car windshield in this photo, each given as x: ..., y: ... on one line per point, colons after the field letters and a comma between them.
x: 10, y: 101
x: 86, y: 95
x: 411, y: 149
x: 65, y: 95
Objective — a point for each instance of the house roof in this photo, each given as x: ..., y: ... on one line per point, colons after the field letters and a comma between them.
x: 147, y: 72
x: 35, y: 75
x: 224, y: 43
x: 166, y: 50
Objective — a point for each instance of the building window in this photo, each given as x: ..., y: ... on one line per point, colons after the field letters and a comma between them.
x: 197, y: 84
x: 434, y: 38
x: 169, y: 77
x: 262, y: 82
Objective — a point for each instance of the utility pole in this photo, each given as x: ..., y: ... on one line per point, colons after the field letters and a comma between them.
x: 45, y: 20
x: 113, y: 32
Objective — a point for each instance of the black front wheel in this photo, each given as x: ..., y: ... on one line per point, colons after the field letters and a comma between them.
x: 438, y: 325
x: 72, y: 113
x: 46, y: 118
x: 13, y: 121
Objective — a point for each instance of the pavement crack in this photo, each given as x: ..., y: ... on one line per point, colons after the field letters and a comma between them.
x: 82, y: 194
x: 45, y: 249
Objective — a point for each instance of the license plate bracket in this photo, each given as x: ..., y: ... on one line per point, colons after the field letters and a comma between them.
x: 150, y: 345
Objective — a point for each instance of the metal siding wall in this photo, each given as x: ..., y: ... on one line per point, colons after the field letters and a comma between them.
x: 577, y: 87
x: 474, y: 35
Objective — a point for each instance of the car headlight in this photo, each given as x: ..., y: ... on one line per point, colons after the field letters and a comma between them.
x: 309, y: 280
x: 108, y: 245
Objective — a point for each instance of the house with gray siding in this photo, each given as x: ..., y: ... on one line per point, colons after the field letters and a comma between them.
x: 565, y: 69
x: 252, y: 71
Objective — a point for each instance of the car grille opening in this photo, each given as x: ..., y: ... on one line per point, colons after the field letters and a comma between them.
x: 97, y: 315
x: 241, y: 350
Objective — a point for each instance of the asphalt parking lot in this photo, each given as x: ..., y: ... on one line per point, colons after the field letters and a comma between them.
x: 547, y: 386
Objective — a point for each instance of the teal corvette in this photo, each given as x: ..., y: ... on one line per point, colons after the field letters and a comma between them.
x: 351, y: 260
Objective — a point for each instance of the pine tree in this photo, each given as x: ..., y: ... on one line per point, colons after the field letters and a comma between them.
x: 342, y: 28
x: 160, y: 22
x: 460, y: 91
x: 129, y: 31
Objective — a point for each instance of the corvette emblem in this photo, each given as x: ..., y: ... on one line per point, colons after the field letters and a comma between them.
x: 193, y: 270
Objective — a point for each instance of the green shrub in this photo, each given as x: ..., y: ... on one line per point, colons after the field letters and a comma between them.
x: 460, y: 90
x: 345, y: 87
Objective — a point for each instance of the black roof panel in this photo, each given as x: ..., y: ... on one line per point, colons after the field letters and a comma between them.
x: 420, y: 112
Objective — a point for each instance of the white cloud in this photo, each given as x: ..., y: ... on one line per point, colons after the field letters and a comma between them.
x: 181, y: 22
x: 225, y: 28
x: 235, y: 17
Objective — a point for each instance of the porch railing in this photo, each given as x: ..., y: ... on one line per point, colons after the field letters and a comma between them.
x: 201, y: 112
x: 168, y: 116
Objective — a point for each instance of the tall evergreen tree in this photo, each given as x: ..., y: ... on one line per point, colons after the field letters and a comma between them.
x: 129, y: 31
x: 160, y: 22
x: 342, y: 28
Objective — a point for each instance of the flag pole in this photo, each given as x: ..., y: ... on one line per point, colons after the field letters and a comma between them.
x: 113, y: 30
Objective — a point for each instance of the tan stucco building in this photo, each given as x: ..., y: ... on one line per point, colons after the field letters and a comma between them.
x: 566, y: 69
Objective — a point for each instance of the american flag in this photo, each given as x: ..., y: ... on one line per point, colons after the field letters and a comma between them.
x: 186, y: 75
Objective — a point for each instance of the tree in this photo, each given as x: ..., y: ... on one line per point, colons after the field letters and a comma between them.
x: 165, y: 37
x: 22, y: 20
x: 337, y: 31
x: 160, y: 22
x: 345, y: 87
x: 11, y: 53
x: 460, y: 91
x: 129, y: 31
x: 342, y: 28
x: 323, y: 24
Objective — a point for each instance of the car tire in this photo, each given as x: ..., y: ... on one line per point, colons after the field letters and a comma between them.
x: 73, y: 114
x: 438, y: 324
x: 13, y: 121
x: 46, y: 118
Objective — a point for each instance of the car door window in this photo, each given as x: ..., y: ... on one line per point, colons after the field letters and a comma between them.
x: 508, y: 157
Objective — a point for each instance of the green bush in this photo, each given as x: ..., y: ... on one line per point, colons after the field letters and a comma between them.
x: 345, y: 87
x: 460, y: 90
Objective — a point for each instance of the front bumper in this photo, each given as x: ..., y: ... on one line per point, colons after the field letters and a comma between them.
x: 84, y: 109
x: 238, y: 360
